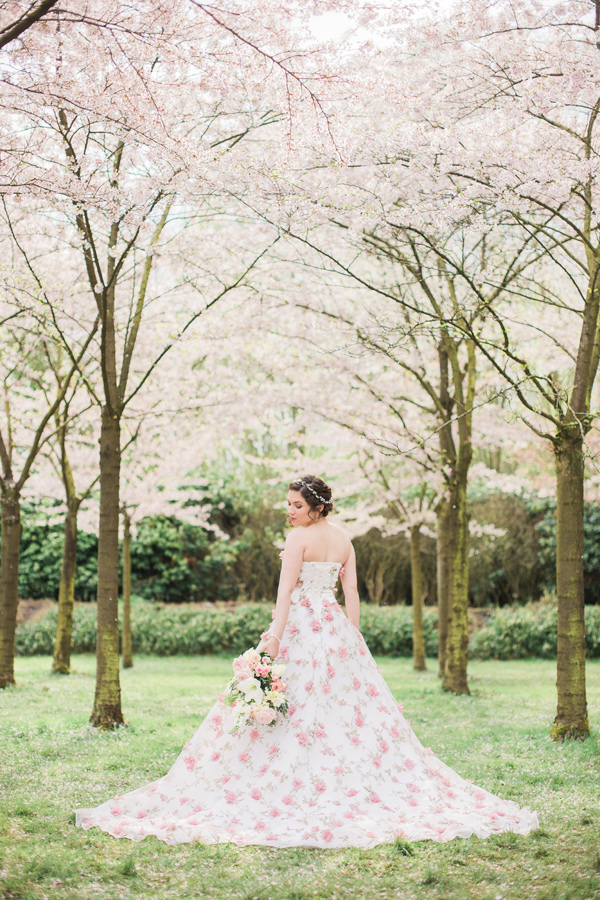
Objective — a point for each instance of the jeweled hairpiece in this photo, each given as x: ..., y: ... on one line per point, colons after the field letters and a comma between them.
x: 314, y: 493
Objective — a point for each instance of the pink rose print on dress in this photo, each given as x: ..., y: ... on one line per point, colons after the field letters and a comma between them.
x: 316, y: 779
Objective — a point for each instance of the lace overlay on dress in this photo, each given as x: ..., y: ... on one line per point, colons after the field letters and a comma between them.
x: 344, y: 768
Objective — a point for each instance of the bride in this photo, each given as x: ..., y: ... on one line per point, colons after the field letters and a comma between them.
x: 343, y: 768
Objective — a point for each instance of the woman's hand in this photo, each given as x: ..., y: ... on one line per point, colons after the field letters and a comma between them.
x: 270, y: 646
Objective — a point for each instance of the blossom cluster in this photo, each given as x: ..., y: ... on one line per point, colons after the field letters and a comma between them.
x: 256, y: 691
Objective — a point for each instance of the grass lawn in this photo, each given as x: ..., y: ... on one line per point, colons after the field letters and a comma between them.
x: 50, y: 763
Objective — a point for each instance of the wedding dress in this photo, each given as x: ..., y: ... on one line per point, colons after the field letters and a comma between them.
x: 342, y: 769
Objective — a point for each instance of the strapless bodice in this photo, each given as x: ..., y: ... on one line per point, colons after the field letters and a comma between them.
x: 315, y: 578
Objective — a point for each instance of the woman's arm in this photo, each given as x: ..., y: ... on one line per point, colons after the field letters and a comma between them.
x: 350, y: 588
x: 290, y: 569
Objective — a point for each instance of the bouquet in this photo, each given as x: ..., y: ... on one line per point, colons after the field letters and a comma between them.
x: 256, y: 691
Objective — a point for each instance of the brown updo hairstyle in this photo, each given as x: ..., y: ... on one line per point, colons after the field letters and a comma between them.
x: 316, y: 493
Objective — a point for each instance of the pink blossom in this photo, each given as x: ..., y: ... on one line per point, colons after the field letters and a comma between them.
x: 260, y: 826
x: 384, y: 746
x: 292, y: 709
x: 326, y: 688
x: 287, y: 800
x: 315, y: 625
x: 400, y: 707
x: 230, y: 796
x: 330, y: 671
x: 356, y: 684
x: 244, y: 756
x: 327, y: 836
x: 328, y: 615
x: 302, y: 738
x: 305, y: 602
x: 339, y: 770
x: 254, y: 734
x: 372, y: 691
x: 190, y: 762
x: 297, y: 783
x: 413, y: 788
x: 116, y: 811
x: 395, y: 731
x: 263, y: 671
x: 409, y: 764
x: 308, y: 686
x: 362, y: 651
x: 263, y: 715
x: 255, y: 794
x: 319, y: 731
x: 274, y: 812
x: 263, y: 769
x: 352, y: 792
x: 273, y: 749
x: 215, y: 756
x: 412, y: 801
x: 217, y: 720
x: 374, y: 798
x: 355, y: 740
x: 142, y: 814
x: 320, y: 787
x: 117, y: 830
x: 292, y: 630
x: 376, y: 762
x: 343, y: 653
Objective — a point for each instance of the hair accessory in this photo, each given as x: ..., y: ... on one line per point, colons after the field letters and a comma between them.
x: 312, y: 490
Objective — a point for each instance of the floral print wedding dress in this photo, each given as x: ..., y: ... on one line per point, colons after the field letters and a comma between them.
x: 342, y: 769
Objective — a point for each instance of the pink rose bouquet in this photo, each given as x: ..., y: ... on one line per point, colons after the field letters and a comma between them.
x: 256, y: 691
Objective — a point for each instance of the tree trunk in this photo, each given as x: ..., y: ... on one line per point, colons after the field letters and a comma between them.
x: 9, y: 582
x: 61, y: 663
x: 416, y: 577
x: 107, y: 702
x: 571, y: 713
x: 455, y: 672
x: 126, y: 643
x: 444, y: 552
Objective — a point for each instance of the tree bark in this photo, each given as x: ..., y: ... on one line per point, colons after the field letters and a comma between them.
x: 107, y: 702
x: 9, y: 582
x: 126, y: 641
x: 571, y: 712
x: 416, y: 576
x: 444, y: 552
x: 61, y: 663
x: 455, y: 671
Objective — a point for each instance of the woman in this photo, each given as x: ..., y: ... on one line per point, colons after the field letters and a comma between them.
x: 343, y: 768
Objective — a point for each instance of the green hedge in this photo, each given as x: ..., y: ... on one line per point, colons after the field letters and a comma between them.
x: 167, y: 630
x: 188, y: 629
x: 527, y: 631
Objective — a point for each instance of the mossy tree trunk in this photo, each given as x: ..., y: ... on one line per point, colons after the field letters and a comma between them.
x: 455, y: 668
x: 61, y: 662
x: 107, y: 710
x: 416, y: 575
x: 444, y: 557
x: 571, y: 712
x: 126, y: 640
x: 457, y: 450
x: 9, y: 581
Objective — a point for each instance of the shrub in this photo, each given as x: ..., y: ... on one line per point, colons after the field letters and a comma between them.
x: 189, y: 629
x: 529, y: 631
